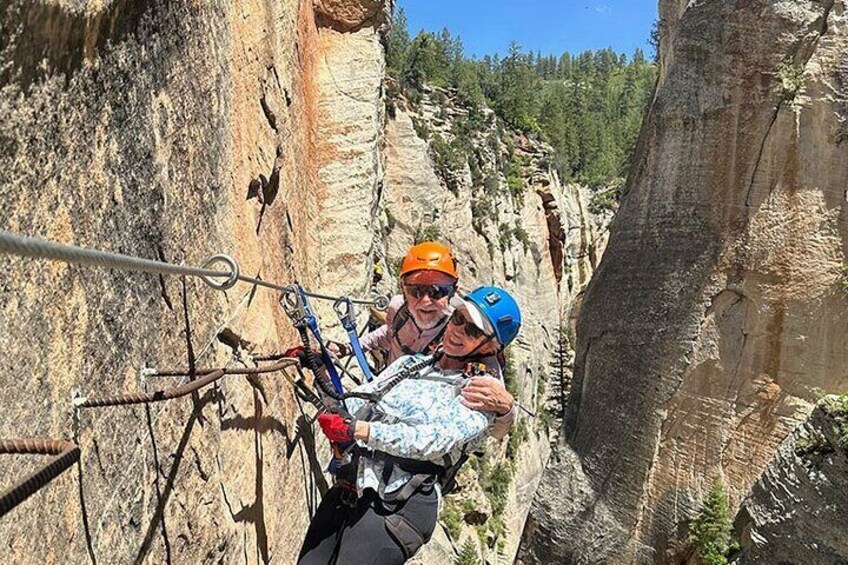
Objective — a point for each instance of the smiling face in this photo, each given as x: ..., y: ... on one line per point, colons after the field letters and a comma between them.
x: 463, y: 338
x: 427, y: 310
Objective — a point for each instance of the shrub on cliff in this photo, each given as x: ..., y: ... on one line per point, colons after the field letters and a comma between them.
x: 467, y: 555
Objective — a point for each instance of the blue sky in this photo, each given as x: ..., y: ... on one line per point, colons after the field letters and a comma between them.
x: 549, y: 26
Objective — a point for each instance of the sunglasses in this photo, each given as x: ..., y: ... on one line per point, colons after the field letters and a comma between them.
x: 470, y: 329
x: 434, y: 291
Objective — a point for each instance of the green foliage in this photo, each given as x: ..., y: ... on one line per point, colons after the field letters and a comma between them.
x: 496, y: 487
x: 515, y: 182
x: 491, y: 186
x: 451, y: 517
x: 654, y: 40
x: 513, y: 97
x: 397, y: 44
x: 504, y: 237
x: 467, y: 555
x: 481, y: 210
x: 547, y: 417
x: 589, y: 106
x: 517, y: 436
x: 791, y: 77
x: 815, y: 444
x: 448, y: 159
x: 421, y: 128
x: 844, y: 281
x: 510, y: 375
x: 394, y: 264
x: 521, y: 235
x: 602, y: 201
x: 710, y: 531
x: 430, y: 233
x: 837, y: 407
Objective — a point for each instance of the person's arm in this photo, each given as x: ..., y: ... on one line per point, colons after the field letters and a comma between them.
x: 452, y: 427
x: 377, y: 339
x: 488, y: 394
x: 502, y: 425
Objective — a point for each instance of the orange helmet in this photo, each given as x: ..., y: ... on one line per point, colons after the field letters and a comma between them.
x: 431, y: 256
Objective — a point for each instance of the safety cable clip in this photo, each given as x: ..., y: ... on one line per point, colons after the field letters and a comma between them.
x: 344, y: 310
x: 231, y: 264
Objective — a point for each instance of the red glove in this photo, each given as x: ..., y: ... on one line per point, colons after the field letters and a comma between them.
x: 336, y: 428
x: 293, y: 352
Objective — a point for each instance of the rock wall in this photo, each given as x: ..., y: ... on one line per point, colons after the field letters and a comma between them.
x: 350, y: 117
x: 797, y: 510
x: 718, y: 310
x: 172, y: 131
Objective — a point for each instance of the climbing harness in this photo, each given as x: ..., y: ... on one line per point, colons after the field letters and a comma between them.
x: 422, y: 472
x: 36, y: 248
x: 344, y: 310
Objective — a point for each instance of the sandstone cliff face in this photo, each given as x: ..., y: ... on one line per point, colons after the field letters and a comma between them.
x: 545, y: 271
x: 797, y: 510
x: 717, y: 309
x: 171, y: 130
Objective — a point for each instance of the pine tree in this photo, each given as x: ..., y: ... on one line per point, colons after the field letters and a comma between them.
x: 467, y: 555
x: 588, y: 106
x: 710, y: 531
x: 397, y: 44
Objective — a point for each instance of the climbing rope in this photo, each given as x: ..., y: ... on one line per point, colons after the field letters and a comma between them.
x: 36, y: 248
x: 65, y: 452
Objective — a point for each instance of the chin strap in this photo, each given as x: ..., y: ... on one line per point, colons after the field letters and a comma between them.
x: 474, y: 356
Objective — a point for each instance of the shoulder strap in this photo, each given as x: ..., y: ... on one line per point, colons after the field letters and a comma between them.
x: 448, y: 480
x: 400, y: 319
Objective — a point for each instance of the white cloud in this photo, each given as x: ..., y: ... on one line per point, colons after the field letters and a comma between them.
x: 602, y: 9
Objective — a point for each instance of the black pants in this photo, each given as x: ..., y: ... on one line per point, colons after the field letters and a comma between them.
x: 373, y: 532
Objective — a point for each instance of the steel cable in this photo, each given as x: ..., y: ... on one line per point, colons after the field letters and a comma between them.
x: 36, y: 248
x: 66, y: 454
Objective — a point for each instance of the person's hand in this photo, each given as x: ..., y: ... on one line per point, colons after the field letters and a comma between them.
x: 338, y: 349
x: 337, y: 428
x: 311, y: 360
x: 487, y: 394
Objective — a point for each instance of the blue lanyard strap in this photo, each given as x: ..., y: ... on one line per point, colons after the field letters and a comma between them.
x: 344, y: 309
x: 312, y: 323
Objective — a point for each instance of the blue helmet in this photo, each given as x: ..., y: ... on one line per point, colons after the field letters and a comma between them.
x: 500, y: 310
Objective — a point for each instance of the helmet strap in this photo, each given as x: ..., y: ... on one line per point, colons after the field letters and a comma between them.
x: 473, y: 355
